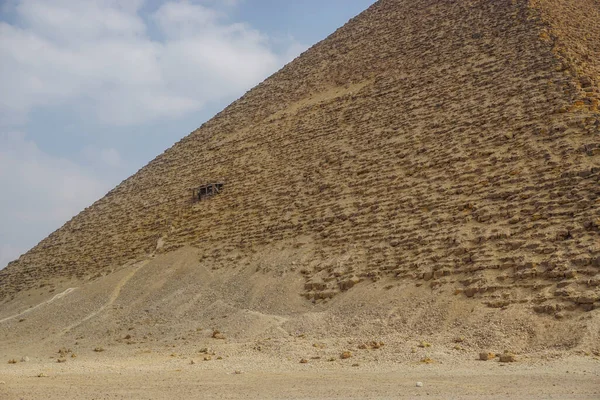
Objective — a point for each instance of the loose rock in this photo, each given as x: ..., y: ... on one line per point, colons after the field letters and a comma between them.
x: 217, y: 335
x: 507, y: 357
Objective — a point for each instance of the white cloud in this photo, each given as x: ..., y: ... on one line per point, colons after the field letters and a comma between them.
x: 110, y: 157
x: 98, y: 57
x: 71, y: 21
x: 102, y: 158
x: 39, y: 192
x: 56, y: 186
x: 223, y: 3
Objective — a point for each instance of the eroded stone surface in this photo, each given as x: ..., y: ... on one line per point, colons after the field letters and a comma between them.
x: 449, y: 143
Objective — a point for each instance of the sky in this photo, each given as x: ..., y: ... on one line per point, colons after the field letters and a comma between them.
x: 92, y: 90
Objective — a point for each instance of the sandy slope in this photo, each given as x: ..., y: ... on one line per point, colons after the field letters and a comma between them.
x: 153, y: 318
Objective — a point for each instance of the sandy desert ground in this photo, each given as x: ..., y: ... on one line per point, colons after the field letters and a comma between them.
x: 169, y: 328
x: 164, y: 377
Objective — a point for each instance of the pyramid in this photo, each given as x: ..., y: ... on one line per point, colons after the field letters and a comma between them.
x: 448, y: 146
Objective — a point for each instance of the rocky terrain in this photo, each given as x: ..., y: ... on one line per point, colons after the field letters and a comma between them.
x: 427, y: 175
x: 167, y: 326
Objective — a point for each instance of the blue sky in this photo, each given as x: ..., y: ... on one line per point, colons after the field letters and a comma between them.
x: 91, y: 91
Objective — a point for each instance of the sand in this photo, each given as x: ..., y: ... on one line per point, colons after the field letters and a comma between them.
x: 145, y: 331
x: 163, y: 377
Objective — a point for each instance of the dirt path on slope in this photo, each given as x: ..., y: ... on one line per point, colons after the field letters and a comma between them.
x: 113, y: 297
x: 55, y: 297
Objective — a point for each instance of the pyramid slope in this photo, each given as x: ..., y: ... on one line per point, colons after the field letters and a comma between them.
x: 453, y: 144
x: 573, y: 28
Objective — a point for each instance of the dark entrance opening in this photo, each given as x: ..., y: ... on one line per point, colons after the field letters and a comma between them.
x: 207, y: 190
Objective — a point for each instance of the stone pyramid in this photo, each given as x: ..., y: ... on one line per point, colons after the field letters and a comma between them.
x: 452, y: 146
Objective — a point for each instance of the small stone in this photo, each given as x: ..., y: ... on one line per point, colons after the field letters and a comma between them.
x: 355, y: 365
x: 61, y: 360
x: 2, y: 383
x: 12, y: 361
x: 419, y: 384
x: 507, y: 357
x: 424, y: 344
x: 25, y: 359
x: 559, y: 315
x: 41, y: 375
x: 587, y: 299
x: 217, y: 335
x: 192, y: 362
x: 303, y: 361
x: 485, y: 356
x: 345, y: 354
x: 63, y: 351
x: 207, y: 358
x: 349, y: 283
x: 99, y: 349
x: 237, y: 372
x: 585, y: 81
